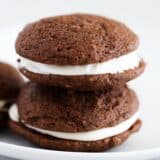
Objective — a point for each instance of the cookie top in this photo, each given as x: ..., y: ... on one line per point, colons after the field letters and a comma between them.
x: 10, y: 82
x: 70, y: 111
x: 75, y: 39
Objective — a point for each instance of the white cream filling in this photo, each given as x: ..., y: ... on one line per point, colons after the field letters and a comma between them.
x: 80, y: 136
x: 120, y: 64
x: 13, y: 113
x: 2, y: 103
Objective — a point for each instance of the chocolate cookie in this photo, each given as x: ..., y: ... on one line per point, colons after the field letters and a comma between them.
x: 69, y: 145
x: 10, y: 82
x: 76, y: 39
x: 69, y: 111
x: 79, y: 51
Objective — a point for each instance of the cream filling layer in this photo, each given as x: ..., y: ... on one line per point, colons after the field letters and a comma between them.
x: 13, y: 113
x: 80, y: 136
x: 116, y: 65
x: 2, y: 103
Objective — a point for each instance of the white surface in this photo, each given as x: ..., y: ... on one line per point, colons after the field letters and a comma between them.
x: 119, y: 64
x: 82, y: 136
x: 144, y: 17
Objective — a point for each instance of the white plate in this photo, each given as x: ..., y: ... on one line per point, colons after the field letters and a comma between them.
x: 143, y: 145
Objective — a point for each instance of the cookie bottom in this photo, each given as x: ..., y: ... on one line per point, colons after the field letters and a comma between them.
x: 86, y: 83
x: 49, y: 142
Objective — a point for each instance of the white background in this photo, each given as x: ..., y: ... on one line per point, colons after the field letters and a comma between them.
x: 134, y: 12
x: 143, y: 16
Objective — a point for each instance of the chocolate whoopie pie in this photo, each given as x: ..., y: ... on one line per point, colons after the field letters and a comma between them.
x: 79, y: 51
x: 69, y: 120
x: 10, y: 81
x: 10, y: 84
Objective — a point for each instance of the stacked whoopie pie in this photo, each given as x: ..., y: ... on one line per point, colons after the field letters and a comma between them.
x: 10, y: 84
x: 77, y: 99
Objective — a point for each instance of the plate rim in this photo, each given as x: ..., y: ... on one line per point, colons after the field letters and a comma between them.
x: 16, y: 148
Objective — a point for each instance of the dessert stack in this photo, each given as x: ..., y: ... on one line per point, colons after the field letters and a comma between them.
x: 77, y: 98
